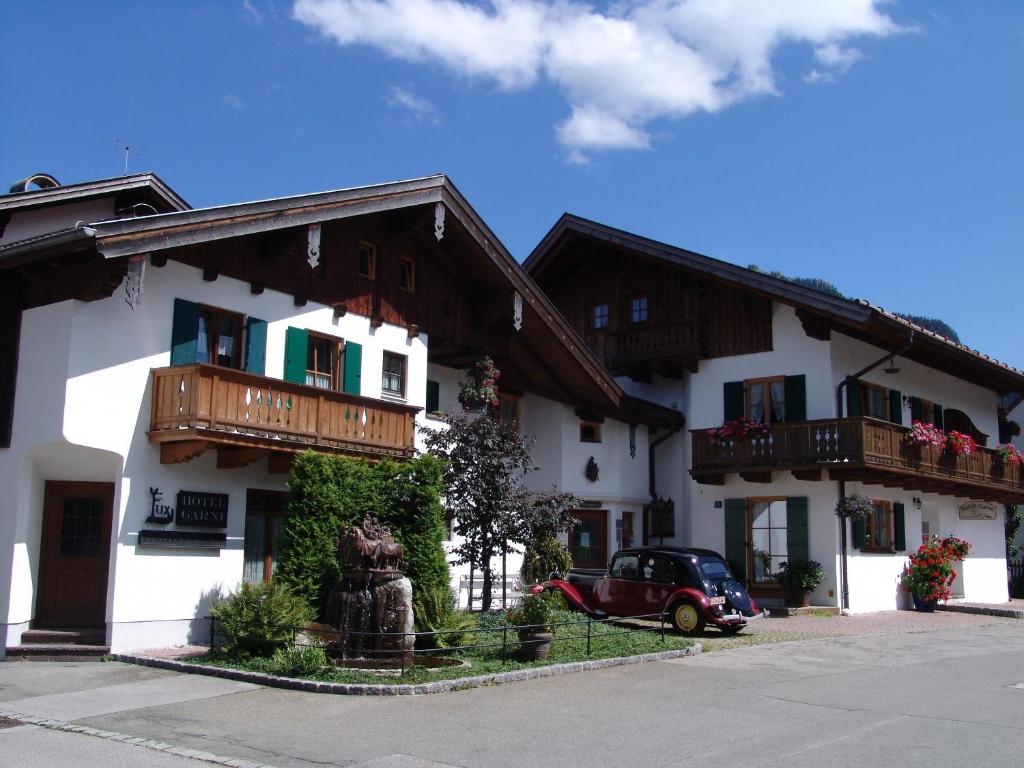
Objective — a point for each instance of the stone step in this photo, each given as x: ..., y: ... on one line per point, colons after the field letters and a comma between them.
x: 88, y: 636
x: 56, y: 652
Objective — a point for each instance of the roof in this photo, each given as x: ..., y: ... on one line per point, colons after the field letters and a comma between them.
x: 148, y: 186
x: 857, y: 318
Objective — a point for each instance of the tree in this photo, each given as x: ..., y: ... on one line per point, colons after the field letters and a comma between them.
x: 487, y: 461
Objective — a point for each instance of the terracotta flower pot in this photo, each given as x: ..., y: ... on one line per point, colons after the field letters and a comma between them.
x: 798, y: 598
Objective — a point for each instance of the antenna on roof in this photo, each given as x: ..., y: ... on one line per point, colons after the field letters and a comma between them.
x: 128, y: 150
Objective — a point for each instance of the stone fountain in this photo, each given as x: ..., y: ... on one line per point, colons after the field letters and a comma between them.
x: 373, y: 599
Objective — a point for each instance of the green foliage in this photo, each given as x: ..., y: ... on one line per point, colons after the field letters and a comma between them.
x: 259, y: 618
x: 537, y: 611
x: 800, y: 575
x: 542, y: 556
x: 1012, y: 524
x: 328, y: 493
x: 436, y: 611
x: 297, y: 661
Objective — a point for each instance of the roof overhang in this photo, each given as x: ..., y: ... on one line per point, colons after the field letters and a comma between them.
x: 147, y: 187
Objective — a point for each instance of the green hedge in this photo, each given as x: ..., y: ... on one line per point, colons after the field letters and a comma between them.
x: 327, y: 493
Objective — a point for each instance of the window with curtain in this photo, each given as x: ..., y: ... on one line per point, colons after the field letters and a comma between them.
x: 878, y: 526
x: 768, y: 537
x: 218, y: 337
x: 766, y: 399
x: 393, y: 375
x: 323, y: 362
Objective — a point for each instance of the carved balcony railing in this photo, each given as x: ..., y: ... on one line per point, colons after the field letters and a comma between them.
x: 207, y: 406
x: 857, y: 449
x: 676, y: 341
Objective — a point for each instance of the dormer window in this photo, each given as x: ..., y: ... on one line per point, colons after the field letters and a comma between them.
x: 600, y: 317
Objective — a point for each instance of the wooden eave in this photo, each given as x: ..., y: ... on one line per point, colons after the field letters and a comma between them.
x: 141, y: 187
x: 856, y: 319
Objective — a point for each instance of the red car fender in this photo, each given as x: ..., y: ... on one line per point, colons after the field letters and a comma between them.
x: 571, y: 594
x: 691, y: 594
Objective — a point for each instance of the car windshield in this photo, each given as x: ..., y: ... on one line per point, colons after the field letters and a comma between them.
x: 714, y: 570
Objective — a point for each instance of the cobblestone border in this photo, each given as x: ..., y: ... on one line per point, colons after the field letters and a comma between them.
x: 366, y: 689
x: 135, y: 741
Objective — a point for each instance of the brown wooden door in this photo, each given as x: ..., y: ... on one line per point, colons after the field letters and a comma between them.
x: 588, y: 541
x: 74, y: 555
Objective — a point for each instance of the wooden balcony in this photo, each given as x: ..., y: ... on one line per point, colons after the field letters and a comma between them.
x: 244, y: 416
x: 862, y: 449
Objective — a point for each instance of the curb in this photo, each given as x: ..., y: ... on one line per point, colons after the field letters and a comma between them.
x: 982, y: 610
x: 418, y: 689
x: 135, y: 741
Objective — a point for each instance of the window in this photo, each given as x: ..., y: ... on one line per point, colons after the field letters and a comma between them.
x: 323, y: 361
x: 638, y: 309
x: 590, y: 432
x: 368, y: 260
x: 766, y: 400
x: 264, y: 517
x: 407, y: 274
x: 659, y: 568
x: 600, y: 317
x: 219, y: 336
x: 768, y: 537
x: 878, y: 526
x: 625, y: 567
x: 876, y: 401
x: 393, y: 375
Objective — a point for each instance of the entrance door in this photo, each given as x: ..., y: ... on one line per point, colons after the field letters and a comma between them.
x: 588, y: 541
x: 74, y: 555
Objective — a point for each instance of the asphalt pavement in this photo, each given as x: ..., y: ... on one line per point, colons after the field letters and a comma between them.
x: 944, y: 694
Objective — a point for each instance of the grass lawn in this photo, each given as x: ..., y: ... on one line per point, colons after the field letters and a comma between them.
x: 570, y: 644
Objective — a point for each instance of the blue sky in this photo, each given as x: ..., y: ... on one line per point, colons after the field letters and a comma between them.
x: 875, y: 145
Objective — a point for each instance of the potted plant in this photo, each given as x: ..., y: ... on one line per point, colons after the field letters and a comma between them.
x: 739, y: 429
x: 929, y: 574
x: 533, y: 621
x: 480, y: 387
x: 960, y: 444
x: 1008, y: 456
x: 922, y: 434
x: 854, y: 507
x: 798, y: 579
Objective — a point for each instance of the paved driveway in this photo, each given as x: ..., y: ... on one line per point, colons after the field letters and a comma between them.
x: 945, y: 690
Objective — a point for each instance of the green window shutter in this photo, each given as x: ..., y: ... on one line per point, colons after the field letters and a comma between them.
x: 796, y: 398
x: 854, y: 404
x: 256, y: 345
x: 797, y: 540
x: 296, y: 348
x: 895, y: 406
x: 899, y: 528
x: 937, y: 419
x: 433, y: 396
x: 184, y: 332
x: 915, y: 409
x: 858, y: 533
x: 736, y: 536
x: 352, y: 376
x: 735, y: 403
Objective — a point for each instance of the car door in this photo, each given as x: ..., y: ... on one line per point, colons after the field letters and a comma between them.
x: 658, y: 580
x: 616, y: 593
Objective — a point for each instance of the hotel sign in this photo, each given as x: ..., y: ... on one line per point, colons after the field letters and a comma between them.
x: 977, y: 510
x: 203, y: 510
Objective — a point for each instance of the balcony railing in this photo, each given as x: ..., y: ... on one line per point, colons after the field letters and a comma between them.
x: 858, y: 448
x: 225, y: 406
x: 653, y: 342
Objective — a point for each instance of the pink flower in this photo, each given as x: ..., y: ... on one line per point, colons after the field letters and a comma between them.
x: 536, y: 589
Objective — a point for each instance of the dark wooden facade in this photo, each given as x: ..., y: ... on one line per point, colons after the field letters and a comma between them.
x: 689, y: 318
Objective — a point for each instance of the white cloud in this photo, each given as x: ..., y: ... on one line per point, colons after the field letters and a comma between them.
x: 231, y: 100
x: 417, y: 105
x: 620, y: 68
x: 251, y: 13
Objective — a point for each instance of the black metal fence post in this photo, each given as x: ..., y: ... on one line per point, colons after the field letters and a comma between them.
x: 212, y: 620
x: 504, y: 645
x: 590, y: 620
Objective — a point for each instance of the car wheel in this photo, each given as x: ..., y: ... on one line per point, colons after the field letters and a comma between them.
x: 687, y: 618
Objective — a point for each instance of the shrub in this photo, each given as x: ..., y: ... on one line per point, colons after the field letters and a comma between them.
x: 537, y: 612
x: 259, y: 618
x: 436, y: 611
x: 543, y: 556
x: 800, y: 575
x: 327, y: 493
x: 297, y: 661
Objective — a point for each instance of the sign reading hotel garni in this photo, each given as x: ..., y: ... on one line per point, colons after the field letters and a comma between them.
x: 205, y: 510
x: 977, y: 510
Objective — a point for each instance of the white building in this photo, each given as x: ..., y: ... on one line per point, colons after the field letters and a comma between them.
x: 161, y: 367
x: 839, y: 382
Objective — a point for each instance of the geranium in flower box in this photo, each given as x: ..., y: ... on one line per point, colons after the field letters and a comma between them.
x: 922, y: 434
x: 960, y: 444
x: 739, y: 429
x: 1009, y: 456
